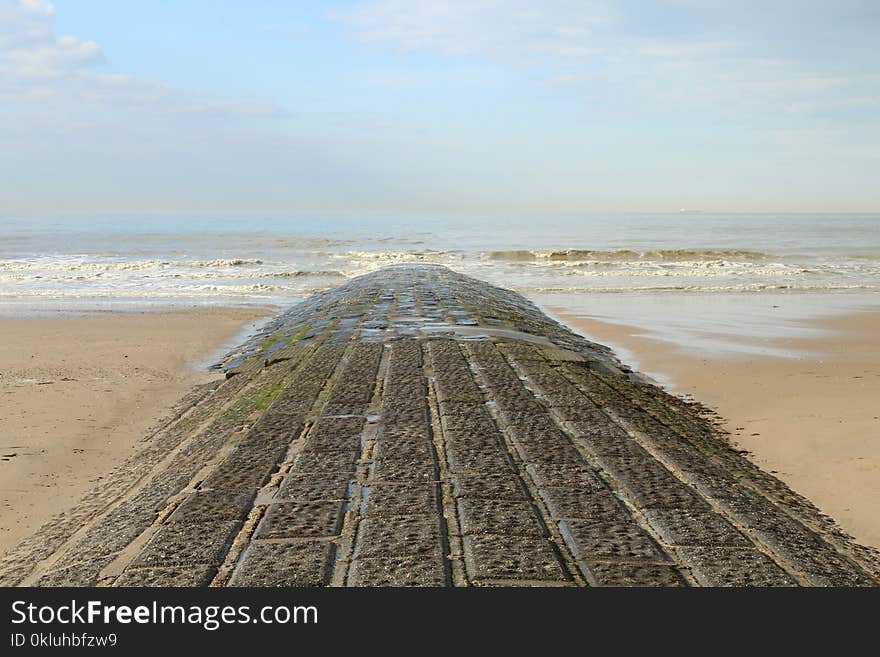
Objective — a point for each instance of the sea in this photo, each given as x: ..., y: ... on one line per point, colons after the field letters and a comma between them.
x: 709, y: 281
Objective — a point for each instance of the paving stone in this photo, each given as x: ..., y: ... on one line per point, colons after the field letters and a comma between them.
x: 300, y: 564
x: 632, y: 575
x: 398, y: 535
x: 473, y: 442
x: 488, y: 460
x: 559, y: 456
x: 404, y: 466
x: 690, y: 527
x: 481, y: 516
x: 167, y: 577
x: 488, y: 487
x: 516, y: 404
x: 472, y: 408
x: 336, y: 434
x: 278, y: 420
x: 310, y: 488
x: 477, y: 423
x: 577, y: 477
x: 574, y: 409
x: 398, y: 571
x: 235, y: 472
x: 405, y: 423
x: 188, y: 543
x: 525, y: 426
x: 326, y: 463
x: 723, y: 566
x: 301, y: 520
x: 511, y: 558
x: 391, y: 499
x: 78, y: 574
x: 457, y: 391
x: 399, y: 402
x: 348, y: 407
x: 416, y: 448
x: 608, y: 444
x: 647, y: 484
x: 602, y: 540
x: 595, y: 503
x: 232, y: 504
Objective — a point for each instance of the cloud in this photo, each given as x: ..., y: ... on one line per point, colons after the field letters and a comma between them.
x: 39, y: 66
x: 29, y: 47
x: 637, y: 99
x: 801, y: 58
x: 499, y: 28
x: 77, y: 136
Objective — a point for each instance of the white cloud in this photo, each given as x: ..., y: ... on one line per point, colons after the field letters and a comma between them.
x: 676, y: 52
x: 500, y: 28
x: 37, y: 65
x: 29, y: 47
x: 78, y: 137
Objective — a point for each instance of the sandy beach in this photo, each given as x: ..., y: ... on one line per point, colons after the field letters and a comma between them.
x: 812, y: 420
x: 78, y: 393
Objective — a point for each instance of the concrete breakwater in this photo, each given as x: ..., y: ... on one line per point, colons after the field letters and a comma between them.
x: 419, y: 427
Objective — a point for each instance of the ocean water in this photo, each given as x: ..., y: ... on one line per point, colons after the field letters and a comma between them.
x: 671, y: 272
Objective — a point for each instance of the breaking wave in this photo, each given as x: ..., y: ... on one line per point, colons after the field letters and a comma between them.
x: 668, y: 255
x: 285, y: 276
x: 176, y: 292
x: 67, y: 264
x: 299, y: 273
x: 744, y: 287
x: 395, y: 256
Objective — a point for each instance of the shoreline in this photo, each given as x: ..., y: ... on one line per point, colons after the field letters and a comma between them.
x: 810, y: 418
x: 80, y: 392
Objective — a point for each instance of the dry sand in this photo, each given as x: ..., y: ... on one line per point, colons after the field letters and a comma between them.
x: 813, y: 421
x: 78, y: 393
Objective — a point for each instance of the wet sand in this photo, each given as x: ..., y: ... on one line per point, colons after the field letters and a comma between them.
x: 77, y: 394
x: 812, y: 420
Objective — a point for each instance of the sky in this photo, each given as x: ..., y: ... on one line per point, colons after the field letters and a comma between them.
x: 409, y: 107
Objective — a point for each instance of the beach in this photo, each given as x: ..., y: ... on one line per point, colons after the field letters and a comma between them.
x: 805, y: 408
x: 83, y: 391
x: 365, y: 438
x: 79, y: 393
x: 106, y: 322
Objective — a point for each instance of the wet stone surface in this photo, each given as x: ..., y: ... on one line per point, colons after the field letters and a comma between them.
x: 416, y: 427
